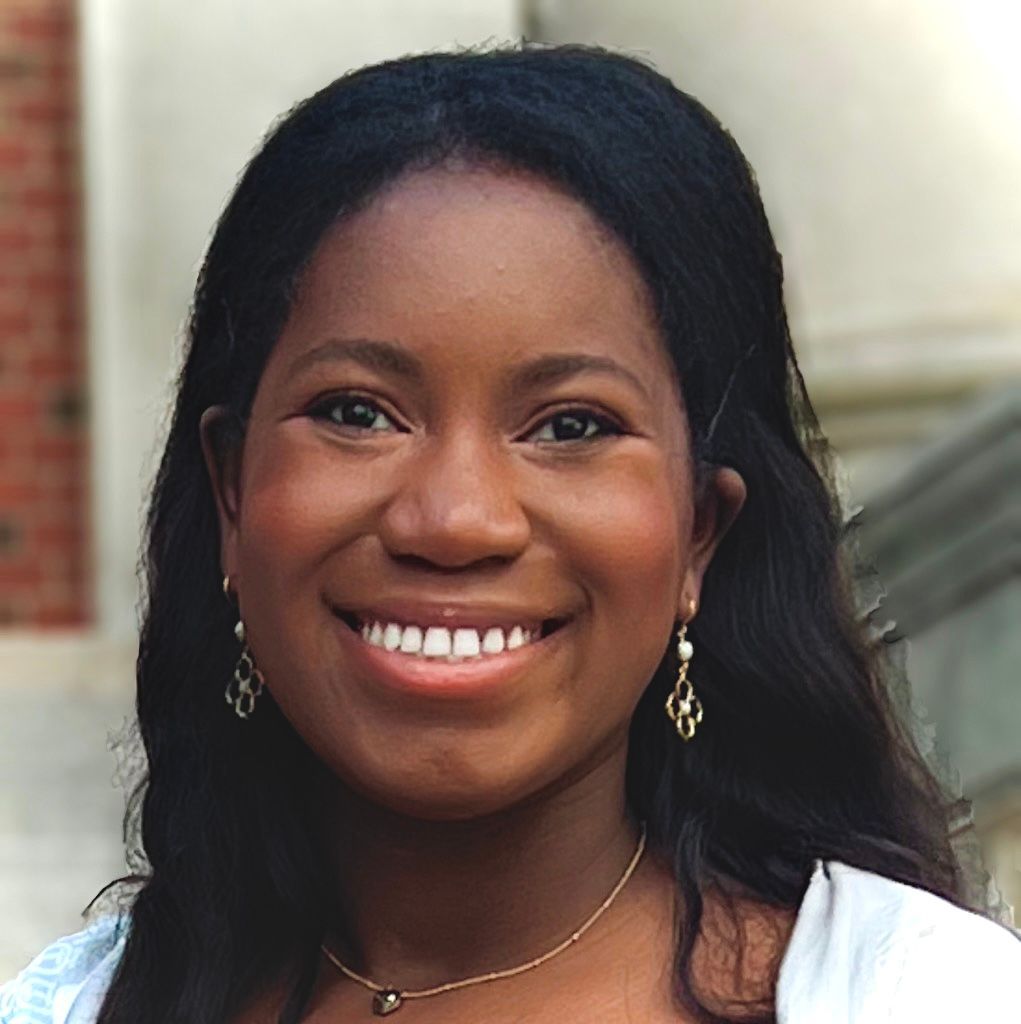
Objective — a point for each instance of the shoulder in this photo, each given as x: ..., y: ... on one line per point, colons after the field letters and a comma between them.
x: 867, y: 948
x: 66, y: 982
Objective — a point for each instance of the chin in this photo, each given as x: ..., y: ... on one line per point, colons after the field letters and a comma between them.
x: 441, y: 795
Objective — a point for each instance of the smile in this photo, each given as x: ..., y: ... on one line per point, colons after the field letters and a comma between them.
x: 452, y: 644
x: 438, y: 661
x: 484, y: 638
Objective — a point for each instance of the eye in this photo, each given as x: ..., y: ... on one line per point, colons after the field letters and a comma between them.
x: 576, y: 425
x: 351, y: 410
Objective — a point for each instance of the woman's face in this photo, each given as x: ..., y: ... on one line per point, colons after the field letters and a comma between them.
x: 468, y: 424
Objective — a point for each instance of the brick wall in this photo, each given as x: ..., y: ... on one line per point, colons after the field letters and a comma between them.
x: 43, y: 496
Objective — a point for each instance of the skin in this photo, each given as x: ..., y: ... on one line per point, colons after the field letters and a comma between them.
x: 474, y: 836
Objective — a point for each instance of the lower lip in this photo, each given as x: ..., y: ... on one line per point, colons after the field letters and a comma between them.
x: 476, y: 678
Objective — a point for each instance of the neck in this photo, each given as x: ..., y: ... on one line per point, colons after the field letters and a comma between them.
x: 430, y: 902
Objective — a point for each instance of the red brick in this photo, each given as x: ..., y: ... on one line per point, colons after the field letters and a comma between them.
x: 14, y: 155
x: 60, y: 498
x: 68, y: 322
x: 55, y: 580
x: 42, y: 26
x: 49, y: 367
x: 63, y: 537
x: 49, y: 199
x: 16, y: 408
x: 59, y: 615
x: 57, y: 449
x: 18, y: 574
x: 43, y: 469
x: 14, y: 321
x: 13, y: 455
x: 13, y: 238
x: 42, y: 110
x: 58, y: 283
x: 17, y: 494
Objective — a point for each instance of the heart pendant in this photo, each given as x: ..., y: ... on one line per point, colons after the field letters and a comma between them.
x: 386, y: 1001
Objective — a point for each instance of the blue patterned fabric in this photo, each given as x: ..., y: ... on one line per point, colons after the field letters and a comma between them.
x: 66, y: 982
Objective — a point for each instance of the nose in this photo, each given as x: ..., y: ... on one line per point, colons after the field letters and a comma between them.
x: 456, y: 506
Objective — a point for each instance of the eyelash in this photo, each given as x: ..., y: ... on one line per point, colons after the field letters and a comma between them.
x: 321, y: 410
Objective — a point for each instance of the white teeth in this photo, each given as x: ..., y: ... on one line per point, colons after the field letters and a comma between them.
x: 437, y: 642
x: 392, y: 636
x: 492, y: 642
x: 411, y: 640
x: 440, y: 642
x: 466, y: 643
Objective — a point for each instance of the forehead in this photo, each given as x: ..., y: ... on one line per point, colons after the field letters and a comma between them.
x: 481, y: 264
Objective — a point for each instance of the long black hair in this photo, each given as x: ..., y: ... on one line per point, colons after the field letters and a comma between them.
x: 801, y: 757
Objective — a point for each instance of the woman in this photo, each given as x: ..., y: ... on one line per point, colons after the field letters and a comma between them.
x: 494, y: 497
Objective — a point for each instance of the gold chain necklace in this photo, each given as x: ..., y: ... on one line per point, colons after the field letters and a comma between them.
x: 387, y: 999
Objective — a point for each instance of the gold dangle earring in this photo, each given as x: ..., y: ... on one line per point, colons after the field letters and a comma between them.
x: 682, y: 706
x: 247, y: 680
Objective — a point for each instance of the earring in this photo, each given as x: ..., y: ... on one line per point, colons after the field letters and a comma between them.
x: 247, y: 679
x: 682, y: 706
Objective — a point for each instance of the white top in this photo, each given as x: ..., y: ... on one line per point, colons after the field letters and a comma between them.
x: 868, y: 950
x: 864, y: 950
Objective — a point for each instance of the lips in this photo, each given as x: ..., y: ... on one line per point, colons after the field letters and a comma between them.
x: 418, y: 676
x: 538, y: 619
x: 541, y: 627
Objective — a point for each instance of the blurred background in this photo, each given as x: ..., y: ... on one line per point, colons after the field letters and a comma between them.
x: 887, y: 142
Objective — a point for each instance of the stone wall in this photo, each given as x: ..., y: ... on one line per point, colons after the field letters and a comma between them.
x: 60, y: 809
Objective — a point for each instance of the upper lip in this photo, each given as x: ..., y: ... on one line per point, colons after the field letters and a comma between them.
x: 451, y: 614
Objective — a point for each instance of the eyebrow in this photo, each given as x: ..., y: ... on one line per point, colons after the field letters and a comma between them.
x: 555, y: 367
x: 382, y: 356
x: 393, y: 359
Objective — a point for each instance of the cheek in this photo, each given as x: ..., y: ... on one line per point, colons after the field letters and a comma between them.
x: 622, y: 535
x: 625, y: 542
x: 299, y: 508
x: 294, y: 499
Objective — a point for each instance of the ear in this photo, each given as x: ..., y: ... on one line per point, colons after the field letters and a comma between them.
x: 221, y: 449
x: 717, y: 505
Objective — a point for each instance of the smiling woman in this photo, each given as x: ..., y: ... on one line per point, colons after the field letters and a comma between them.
x: 465, y: 417
x: 489, y: 401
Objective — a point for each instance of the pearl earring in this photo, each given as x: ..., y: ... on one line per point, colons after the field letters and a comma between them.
x: 682, y: 706
x: 247, y: 682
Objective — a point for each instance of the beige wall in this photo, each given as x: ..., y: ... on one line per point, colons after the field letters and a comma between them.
x: 887, y: 141
x: 886, y: 138
x: 177, y: 93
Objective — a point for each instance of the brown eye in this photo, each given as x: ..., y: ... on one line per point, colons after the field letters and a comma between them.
x: 576, y: 425
x: 351, y: 411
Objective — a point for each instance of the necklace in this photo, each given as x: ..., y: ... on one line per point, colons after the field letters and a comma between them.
x: 387, y: 999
